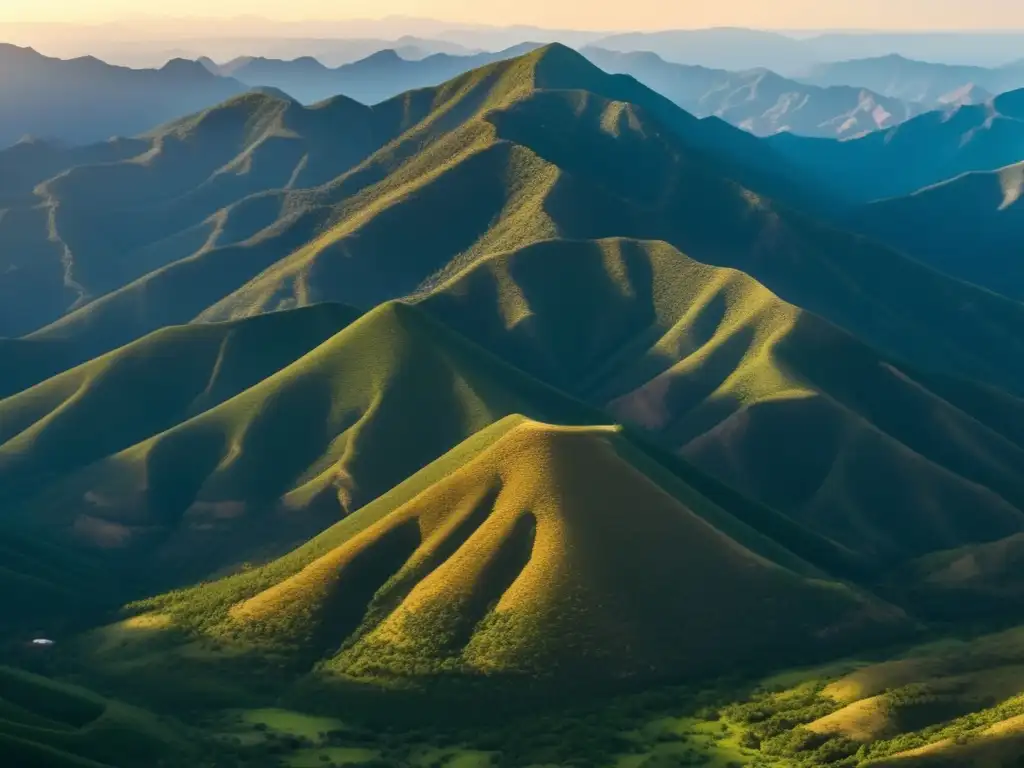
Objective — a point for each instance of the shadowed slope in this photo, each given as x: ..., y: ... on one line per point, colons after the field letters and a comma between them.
x: 925, y: 150
x: 126, y: 396
x: 969, y: 227
x: 24, y: 363
x: 298, y: 450
x: 47, y: 724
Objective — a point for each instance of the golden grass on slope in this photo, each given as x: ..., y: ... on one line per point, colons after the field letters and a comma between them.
x: 297, y: 451
x: 546, y: 554
x: 998, y: 746
x: 865, y: 721
x: 945, y: 659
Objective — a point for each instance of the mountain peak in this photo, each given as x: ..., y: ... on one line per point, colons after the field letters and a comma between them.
x: 209, y: 64
x: 9, y: 51
x: 186, y: 68
x: 557, y: 66
x: 386, y: 56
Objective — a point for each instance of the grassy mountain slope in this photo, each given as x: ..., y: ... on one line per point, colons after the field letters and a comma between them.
x: 955, y: 703
x: 923, y: 151
x: 883, y: 462
x: 758, y: 100
x: 296, y: 451
x: 968, y: 227
x: 974, y: 581
x: 115, y: 401
x: 531, y: 550
x: 440, y: 463
x: 547, y: 146
x: 113, y: 213
x: 438, y: 132
x: 768, y: 397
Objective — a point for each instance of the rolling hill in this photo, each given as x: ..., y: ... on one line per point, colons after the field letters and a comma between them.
x: 760, y: 101
x: 182, y: 468
x: 86, y: 100
x: 50, y: 724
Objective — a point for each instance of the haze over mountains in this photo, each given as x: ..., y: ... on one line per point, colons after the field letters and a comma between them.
x: 538, y: 383
x: 86, y: 100
x: 83, y: 101
x: 929, y: 149
x: 919, y: 81
x: 760, y: 101
x: 371, y: 80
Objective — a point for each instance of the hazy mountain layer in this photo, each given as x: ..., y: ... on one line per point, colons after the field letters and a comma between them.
x: 928, y: 149
x: 86, y: 100
x: 376, y: 78
x: 760, y: 101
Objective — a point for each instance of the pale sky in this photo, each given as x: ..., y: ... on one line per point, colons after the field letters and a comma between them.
x: 577, y: 14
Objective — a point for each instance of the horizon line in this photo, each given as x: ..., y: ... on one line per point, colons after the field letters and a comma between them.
x: 455, y: 24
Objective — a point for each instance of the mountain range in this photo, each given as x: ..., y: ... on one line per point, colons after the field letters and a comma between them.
x: 376, y: 78
x: 856, y: 98
x: 759, y: 100
x: 527, y: 387
x: 926, y: 150
x: 86, y: 100
x: 931, y: 84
